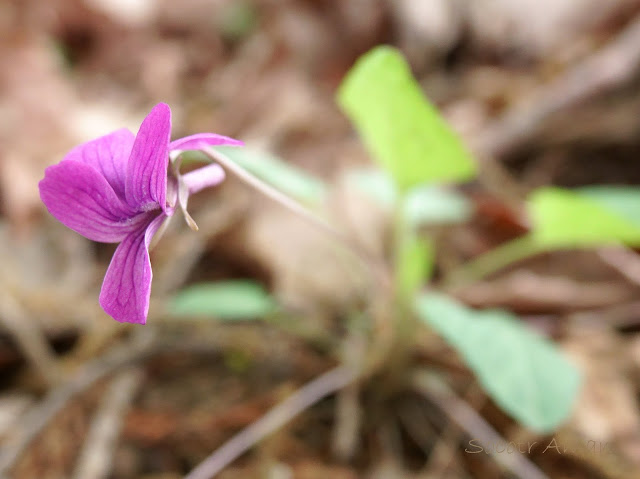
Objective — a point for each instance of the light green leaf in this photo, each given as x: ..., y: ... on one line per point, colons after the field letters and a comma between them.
x: 402, y: 130
x: 624, y: 200
x: 523, y: 372
x: 286, y: 178
x: 225, y: 300
x: 564, y: 218
x: 424, y: 205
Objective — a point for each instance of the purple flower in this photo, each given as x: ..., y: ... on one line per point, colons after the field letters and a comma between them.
x: 119, y: 189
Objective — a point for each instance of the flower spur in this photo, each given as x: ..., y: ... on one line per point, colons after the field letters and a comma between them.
x: 119, y: 189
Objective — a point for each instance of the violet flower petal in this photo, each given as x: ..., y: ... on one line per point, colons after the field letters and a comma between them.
x: 81, y: 198
x: 204, y: 177
x: 202, y: 140
x: 108, y: 155
x: 146, y: 181
x: 127, y: 284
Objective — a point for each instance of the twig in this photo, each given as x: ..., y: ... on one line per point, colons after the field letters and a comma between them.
x: 305, y: 397
x: 445, y: 449
x: 300, y: 211
x: 96, y: 457
x: 460, y: 413
x: 140, y: 349
x: 422, y: 431
x: 347, y: 423
x: 524, y: 290
x: 36, y: 419
x: 348, y: 419
x: 612, y: 65
x: 621, y: 315
x: 30, y: 338
x: 623, y: 260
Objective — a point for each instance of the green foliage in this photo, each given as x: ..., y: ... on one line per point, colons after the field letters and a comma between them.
x: 424, y: 205
x: 402, y: 130
x: 523, y: 372
x: 286, y: 178
x: 624, y: 200
x: 224, y: 300
x: 588, y: 217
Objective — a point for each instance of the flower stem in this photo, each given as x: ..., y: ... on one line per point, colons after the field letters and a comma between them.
x: 403, y: 321
x: 300, y: 211
x: 494, y: 260
x: 400, y: 238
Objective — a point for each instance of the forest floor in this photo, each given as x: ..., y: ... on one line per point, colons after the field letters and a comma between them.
x: 544, y: 94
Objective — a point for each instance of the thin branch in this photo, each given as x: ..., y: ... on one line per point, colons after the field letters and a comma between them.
x: 347, y: 423
x: 96, y: 457
x: 39, y: 416
x: 524, y: 290
x: 30, y: 338
x: 460, y: 413
x: 612, y: 65
x: 444, y: 450
x: 296, y: 208
x: 621, y: 315
x: 304, y: 398
x: 348, y: 420
x: 623, y: 260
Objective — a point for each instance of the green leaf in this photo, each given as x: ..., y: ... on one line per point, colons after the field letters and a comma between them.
x: 415, y: 263
x: 286, y: 178
x: 564, y: 218
x: 624, y: 200
x: 424, y: 205
x: 523, y: 372
x: 402, y: 130
x: 225, y: 300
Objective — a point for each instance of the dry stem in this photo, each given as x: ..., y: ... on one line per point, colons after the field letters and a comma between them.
x: 304, y: 398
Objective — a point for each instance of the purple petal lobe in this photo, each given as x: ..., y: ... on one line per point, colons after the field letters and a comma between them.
x: 202, y: 140
x: 204, y: 177
x: 127, y: 284
x: 108, y: 155
x: 82, y: 199
x: 146, y: 182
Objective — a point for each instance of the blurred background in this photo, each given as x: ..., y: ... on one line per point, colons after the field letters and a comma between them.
x: 544, y: 92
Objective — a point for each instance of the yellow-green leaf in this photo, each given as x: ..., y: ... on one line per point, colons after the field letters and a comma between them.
x: 404, y: 133
x: 565, y: 218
